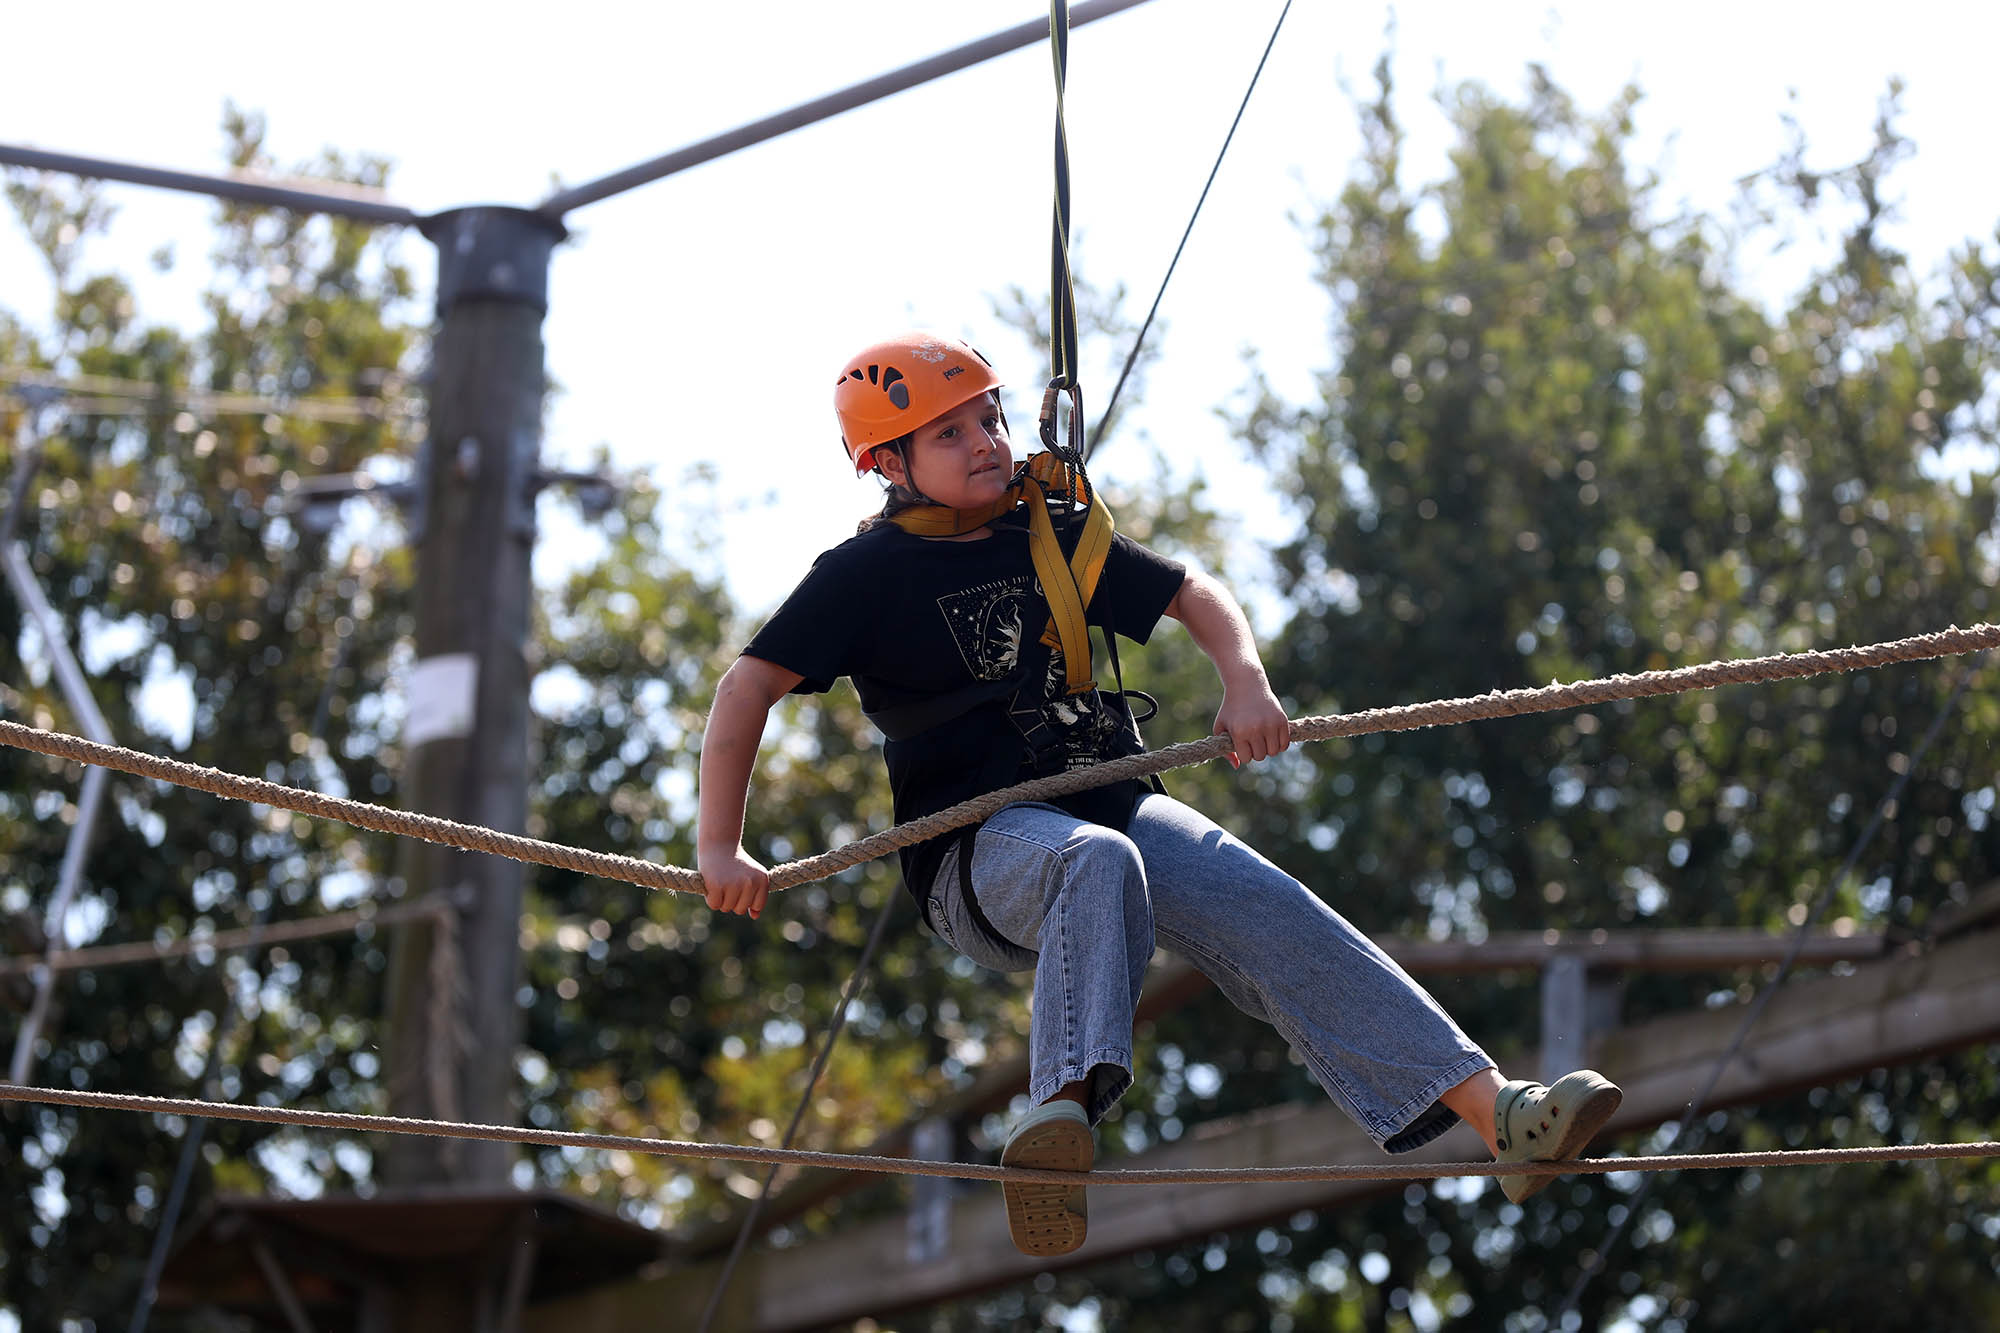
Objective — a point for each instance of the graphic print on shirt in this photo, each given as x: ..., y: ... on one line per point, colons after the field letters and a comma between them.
x: 988, y: 623
x: 985, y: 622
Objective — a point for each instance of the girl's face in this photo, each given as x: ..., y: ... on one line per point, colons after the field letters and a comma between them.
x: 961, y: 459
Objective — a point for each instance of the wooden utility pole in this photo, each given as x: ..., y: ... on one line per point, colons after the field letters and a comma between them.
x: 453, y: 1019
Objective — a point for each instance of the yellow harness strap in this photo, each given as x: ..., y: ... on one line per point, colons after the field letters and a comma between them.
x: 1067, y: 585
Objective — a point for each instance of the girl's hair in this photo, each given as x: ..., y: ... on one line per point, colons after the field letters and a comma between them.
x: 895, y: 498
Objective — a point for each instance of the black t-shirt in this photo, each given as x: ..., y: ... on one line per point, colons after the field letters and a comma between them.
x: 915, y: 621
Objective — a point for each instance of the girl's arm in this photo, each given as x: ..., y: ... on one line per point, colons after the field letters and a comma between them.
x: 1251, y: 715
x: 735, y: 880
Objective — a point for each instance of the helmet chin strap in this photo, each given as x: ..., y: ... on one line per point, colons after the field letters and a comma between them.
x: 908, y: 485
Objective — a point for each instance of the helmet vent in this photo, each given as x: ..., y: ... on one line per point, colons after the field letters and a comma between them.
x: 892, y: 384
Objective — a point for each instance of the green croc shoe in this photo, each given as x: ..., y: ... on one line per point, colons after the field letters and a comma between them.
x: 1048, y: 1220
x: 1538, y: 1123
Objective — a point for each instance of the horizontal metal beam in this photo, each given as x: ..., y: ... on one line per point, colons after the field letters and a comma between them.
x: 331, y: 200
x: 361, y: 207
x: 823, y: 108
x: 268, y: 936
x: 1667, y: 950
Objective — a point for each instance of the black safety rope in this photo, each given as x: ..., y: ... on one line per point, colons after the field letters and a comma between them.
x: 1064, y: 374
x: 1062, y: 293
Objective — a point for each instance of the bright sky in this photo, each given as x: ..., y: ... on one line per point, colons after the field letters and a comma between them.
x: 704, y: 317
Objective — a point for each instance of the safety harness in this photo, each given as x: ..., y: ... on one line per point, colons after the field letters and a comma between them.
x: 1045, y: 480
x: 1068, y: 584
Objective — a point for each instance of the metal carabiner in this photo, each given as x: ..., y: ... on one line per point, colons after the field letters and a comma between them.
x: 1064, y: 444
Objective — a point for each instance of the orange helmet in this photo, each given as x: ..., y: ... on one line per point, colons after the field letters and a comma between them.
x: 893, y: 387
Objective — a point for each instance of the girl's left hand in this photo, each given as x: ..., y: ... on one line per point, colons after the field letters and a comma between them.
x: 734, y: 881
x: 1255, y: 723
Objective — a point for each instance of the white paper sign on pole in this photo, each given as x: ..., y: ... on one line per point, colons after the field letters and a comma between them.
x: 442, y: 692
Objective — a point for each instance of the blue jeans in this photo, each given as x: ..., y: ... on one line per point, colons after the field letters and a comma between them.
x: 1082, y: 905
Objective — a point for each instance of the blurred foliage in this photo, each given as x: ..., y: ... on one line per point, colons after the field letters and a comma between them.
x: 216, y: 627
x: 1558, y: 438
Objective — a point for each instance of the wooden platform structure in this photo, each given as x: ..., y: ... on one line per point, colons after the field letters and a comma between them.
x: 469, y: 1262
x: 1902, y: 1002
x: 543, y: 1262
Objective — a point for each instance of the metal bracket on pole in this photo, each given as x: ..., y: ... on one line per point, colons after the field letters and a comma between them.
x: 523, y: 463
x: 1576, y: 1002
x: 315, y: 501
x: 493, y: 253
x: 596, y: 494
x: 498, y: 254
x: 1563, y: 986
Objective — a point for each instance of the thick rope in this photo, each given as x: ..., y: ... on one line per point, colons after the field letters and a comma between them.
x: 1403, y: 717
x: 907, y: 1166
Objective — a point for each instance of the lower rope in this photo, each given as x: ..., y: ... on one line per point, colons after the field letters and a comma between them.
x: 1406, y: 717
x: 905, y: 1166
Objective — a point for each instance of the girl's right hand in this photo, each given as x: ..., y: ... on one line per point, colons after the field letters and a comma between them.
x: 734, y: 882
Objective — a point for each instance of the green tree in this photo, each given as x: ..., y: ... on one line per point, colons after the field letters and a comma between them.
x: 1562, y: 441
x: 1561, y: 438
x: 217, y: 628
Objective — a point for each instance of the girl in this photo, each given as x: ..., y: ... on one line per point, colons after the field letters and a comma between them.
x: 960, y: 614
